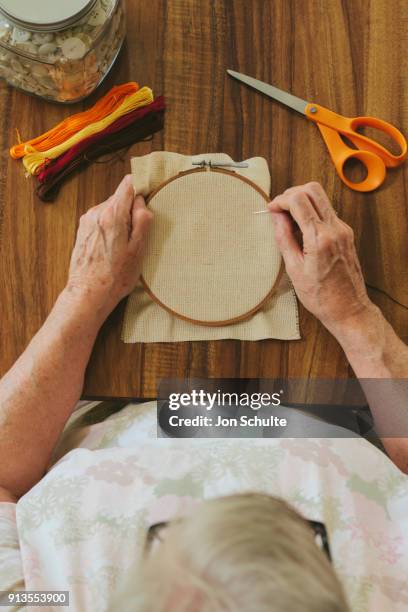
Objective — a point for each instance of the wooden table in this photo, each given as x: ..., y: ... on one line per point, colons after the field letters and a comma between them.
x: 348, y: 55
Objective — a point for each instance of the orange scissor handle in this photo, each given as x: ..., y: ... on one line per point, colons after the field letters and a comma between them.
x: 374, y: 156
x: 390, y: 160
x: 341, y: 153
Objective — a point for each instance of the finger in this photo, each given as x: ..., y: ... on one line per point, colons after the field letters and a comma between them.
x: 300, y: 208
x: 286, y: 239
x: 347, y: 227
x: 139, y: 202
x: 125, y: 186
x: 141, y: 221
x: 124, y: 196
x: 317, y: 197
x: 320, y: 200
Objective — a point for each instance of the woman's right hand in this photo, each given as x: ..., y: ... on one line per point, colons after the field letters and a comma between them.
x: 324, y: 269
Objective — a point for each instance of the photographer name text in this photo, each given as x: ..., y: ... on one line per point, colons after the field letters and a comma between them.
x: 222, y: 421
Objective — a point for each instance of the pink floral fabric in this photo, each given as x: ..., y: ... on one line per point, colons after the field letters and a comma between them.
x: 82, y: 528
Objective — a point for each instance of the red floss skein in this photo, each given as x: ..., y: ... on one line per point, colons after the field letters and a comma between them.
x: 56, y: 166
x: 135, y: 132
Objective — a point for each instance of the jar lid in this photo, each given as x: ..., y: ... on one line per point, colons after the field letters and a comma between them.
x: 46, y: 15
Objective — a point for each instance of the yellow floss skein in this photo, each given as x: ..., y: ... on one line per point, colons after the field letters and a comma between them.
x: 35, y: 159
x: 71, y: 125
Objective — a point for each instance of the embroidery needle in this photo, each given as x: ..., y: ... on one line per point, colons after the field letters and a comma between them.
x: 210, y: 164
x: 261, y: 212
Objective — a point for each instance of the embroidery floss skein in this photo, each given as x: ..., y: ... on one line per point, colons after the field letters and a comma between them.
x: 139, y: 130
x: 54, y: 167
x: 71, y: 125
x: 34, y: 160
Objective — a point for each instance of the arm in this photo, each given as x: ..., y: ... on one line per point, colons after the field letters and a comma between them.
x: 327, y: 278
x: 380, y: 360
x: 39, y: 393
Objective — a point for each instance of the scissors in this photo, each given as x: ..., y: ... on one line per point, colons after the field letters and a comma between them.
x: 332, y: 126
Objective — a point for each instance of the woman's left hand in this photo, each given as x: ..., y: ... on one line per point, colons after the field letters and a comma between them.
x: 107, y: 257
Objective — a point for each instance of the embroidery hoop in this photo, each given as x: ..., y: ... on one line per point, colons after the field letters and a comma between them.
x: 152, y: 259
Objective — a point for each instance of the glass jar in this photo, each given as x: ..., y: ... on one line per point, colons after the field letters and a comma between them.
x: 57, y: 50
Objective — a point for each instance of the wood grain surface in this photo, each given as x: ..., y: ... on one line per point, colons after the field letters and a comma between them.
x: 347, y: 55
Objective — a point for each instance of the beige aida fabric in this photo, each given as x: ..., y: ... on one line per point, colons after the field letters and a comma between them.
x: 146, y: 321
x: 208, y: 257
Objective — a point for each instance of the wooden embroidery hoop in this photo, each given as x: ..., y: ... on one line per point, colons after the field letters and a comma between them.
x: 248, y: 313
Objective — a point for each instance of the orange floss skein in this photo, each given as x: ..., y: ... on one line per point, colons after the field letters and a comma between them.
x: 71, y: 125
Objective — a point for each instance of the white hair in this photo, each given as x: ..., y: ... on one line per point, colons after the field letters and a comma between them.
x: 242, y: 553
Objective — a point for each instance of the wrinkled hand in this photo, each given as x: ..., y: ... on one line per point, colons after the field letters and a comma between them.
x: 107, y: 256
x: 324, y: 269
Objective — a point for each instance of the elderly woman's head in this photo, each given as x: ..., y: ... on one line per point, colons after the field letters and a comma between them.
x: 243, y: 553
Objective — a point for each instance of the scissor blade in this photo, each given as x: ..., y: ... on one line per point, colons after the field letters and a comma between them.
x: 284, y: 97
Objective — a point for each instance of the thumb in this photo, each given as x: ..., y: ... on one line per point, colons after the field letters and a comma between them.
x: 142, y: 219
x: 286, y: 239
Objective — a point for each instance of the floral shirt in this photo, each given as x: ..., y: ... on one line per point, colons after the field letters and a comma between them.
x: 82, y: 527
